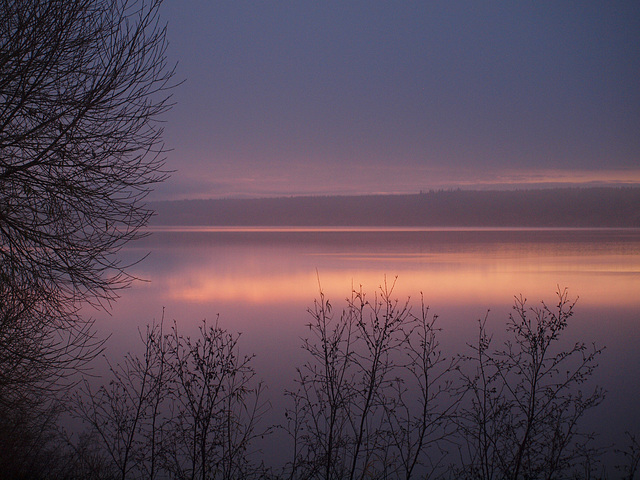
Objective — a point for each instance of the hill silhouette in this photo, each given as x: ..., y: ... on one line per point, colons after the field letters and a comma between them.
x: 565, y: 207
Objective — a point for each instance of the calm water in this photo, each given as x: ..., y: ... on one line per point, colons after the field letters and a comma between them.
x: 260, y: 282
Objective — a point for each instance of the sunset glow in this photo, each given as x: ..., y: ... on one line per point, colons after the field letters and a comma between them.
x: 323, y: 98
x: 479, y: 277
x: 304, y: 240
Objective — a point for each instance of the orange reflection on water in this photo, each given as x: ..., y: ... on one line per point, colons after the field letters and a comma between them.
x: 444, y: 278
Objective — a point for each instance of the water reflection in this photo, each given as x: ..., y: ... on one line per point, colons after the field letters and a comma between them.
x: 276, y: 266
x: 261, y: 281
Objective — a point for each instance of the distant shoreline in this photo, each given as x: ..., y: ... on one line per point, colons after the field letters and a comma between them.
x: 359, y: 229
x: 596, y: 207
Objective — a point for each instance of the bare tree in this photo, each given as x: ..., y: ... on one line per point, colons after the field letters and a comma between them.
x: 82, y: 86
x: 424, y: 400
x: 189, y: 408
x: 631, y: 457
x: 372, y: 399
x: 216, y: 408
x: 526, y: 399
x: 376, y: 398
x: 128, y: 416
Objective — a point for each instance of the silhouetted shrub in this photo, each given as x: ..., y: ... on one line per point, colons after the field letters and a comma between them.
x: 376, y: 398
x: 187, y: 409
x: 527, y: 398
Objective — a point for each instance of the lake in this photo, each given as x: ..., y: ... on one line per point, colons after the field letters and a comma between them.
x: 260, y: 281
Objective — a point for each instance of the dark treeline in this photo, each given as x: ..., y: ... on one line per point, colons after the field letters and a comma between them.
x: 566, y: 207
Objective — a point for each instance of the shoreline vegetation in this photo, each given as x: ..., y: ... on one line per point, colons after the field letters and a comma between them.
x: 607, y: 207
x: 376, y: 397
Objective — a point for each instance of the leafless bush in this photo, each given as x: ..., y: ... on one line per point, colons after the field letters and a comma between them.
x: 216, y: 406
x: 526, y: 399
x: 631, y: 457
x: 128, y: 414
x: 189, y: 408
x: 371, y: 400
x: 375, y: 399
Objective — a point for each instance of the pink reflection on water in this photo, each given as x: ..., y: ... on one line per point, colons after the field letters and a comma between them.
x: 267, y: 274
x: 261, y: 281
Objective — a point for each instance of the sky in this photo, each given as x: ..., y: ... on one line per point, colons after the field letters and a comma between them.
x: 374, y: 97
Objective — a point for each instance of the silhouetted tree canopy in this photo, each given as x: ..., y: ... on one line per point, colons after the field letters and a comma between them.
x: 82, y: 86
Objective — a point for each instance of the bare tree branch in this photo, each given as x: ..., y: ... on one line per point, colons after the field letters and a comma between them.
x: 83, y: 85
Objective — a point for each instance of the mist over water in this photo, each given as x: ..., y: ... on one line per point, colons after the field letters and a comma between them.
x: 261, y: 281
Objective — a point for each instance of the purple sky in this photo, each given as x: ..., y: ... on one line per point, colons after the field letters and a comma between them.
x: 348, y: 97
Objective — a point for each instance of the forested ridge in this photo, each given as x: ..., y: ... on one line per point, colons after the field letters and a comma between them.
x: 566, y: 207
